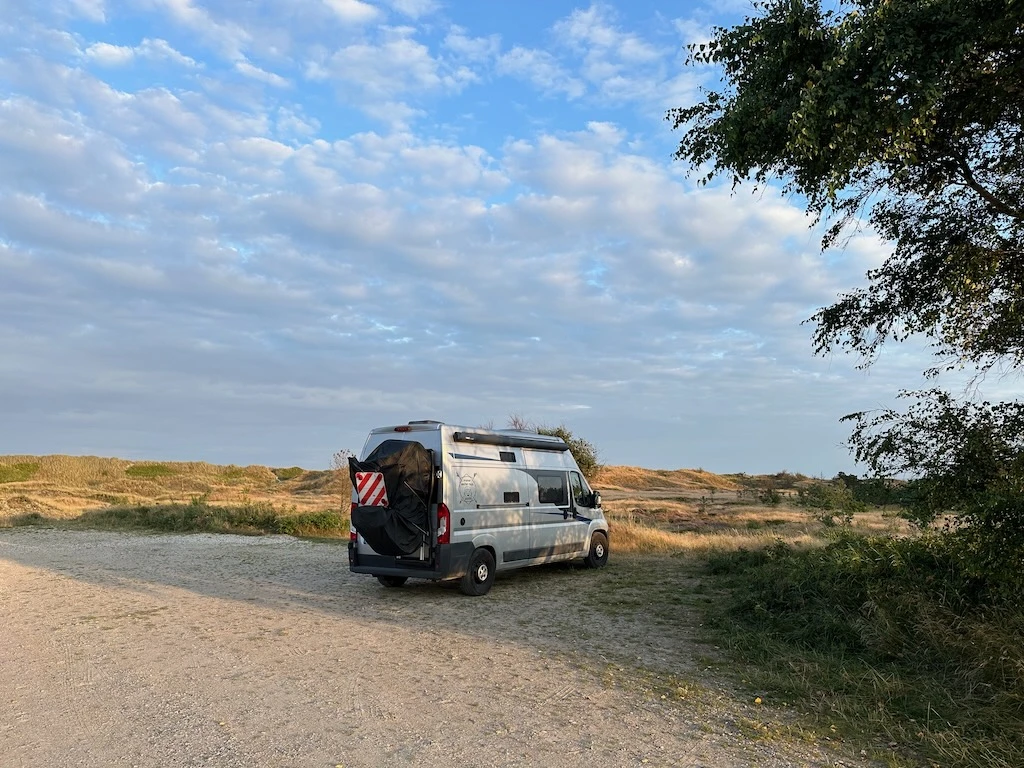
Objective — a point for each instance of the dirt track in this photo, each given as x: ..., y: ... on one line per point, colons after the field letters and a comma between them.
x: 202, y: 650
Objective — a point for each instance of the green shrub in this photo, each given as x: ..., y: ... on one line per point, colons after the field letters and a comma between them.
x: 583, y: 451
x: 832, y: 502
x: 149, y: 471
x: 288, y: 473
x: 902, y: 634
x: 18, y: 473
x: 199, y: 516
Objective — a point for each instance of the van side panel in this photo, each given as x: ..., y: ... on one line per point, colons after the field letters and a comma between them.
x: 487, y: 492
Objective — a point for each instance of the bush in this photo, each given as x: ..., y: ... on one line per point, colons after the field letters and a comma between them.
x: 904, y: 633
x: 832, y: 501
x: 583, y: 451
x: 149, y: 471
x: 18, y: 473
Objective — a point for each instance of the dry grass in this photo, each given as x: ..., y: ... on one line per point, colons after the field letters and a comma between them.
x: 63, y: 487
x: 636, y: 536
x: 652, y: 522
x: 640, y: 479
x: 650, y: 511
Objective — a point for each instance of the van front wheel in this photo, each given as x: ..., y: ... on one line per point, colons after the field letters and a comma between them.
x: 480, y: 575
x: 598, y: 555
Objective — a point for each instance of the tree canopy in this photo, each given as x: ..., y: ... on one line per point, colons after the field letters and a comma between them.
x: 906, y: 114
x: 910, y: 111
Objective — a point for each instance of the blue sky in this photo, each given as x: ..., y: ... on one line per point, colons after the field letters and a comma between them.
x: 249, y: 232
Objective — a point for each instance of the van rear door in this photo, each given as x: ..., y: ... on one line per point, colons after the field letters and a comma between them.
x: 393, y: 491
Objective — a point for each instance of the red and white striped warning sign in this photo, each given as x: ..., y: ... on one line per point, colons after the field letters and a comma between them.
x: 371, y: 489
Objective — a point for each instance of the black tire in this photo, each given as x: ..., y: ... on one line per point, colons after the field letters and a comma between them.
x: 480, y: 575
x: 392, y: 581
x: 597, y: 557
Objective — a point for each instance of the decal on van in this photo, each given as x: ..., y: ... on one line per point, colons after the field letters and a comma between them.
x: 467, y: 488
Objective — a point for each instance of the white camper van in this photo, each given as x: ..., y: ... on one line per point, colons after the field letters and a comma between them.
x: 437, y: 501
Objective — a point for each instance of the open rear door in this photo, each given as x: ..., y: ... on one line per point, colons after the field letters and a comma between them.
x: 394, y: 485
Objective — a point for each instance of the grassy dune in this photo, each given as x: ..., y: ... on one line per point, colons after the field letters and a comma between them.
x: 650, y: 511
x: 64, y: 487
x: 640, y: 479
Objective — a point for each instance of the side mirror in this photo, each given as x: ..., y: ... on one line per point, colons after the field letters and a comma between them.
x: 596, y: 499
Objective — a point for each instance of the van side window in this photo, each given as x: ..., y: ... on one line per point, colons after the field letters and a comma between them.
x: 579, y: 494
x: 551, y: 488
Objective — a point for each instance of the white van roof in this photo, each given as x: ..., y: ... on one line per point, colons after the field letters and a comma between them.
x: 510, y: 437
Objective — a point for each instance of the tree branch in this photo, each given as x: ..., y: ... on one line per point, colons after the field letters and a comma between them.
x: 999, y: 205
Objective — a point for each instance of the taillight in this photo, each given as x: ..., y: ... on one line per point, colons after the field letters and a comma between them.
x: 444, y: 527
x: 352, y: 535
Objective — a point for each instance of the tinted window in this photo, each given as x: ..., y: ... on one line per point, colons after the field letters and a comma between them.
x: 552, y: 488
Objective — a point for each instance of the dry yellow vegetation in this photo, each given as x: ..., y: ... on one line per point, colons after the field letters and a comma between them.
x: 640, y: 479
x: 652, y: 511
x: 66, y: 486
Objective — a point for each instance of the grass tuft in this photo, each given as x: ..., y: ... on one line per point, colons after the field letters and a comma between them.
x: 287, y: 473
x: 149, y: 471
x: 19, y: 472
x: 198, y: 516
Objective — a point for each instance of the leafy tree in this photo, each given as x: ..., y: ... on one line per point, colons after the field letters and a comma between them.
x: 908, y: 113
x: 911, y: 108
x: 969, y: 459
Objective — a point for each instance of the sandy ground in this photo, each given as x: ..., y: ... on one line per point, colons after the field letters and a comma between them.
x: 200, y: 650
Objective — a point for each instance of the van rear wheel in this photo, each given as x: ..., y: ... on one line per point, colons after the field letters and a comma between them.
x: 480, y: 575
x: 598, y: 554
x: 392, y: 581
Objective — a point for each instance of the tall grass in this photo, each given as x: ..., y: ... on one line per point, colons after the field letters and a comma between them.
x: 198, y: 516
x: 633, y: 533
x: 883, y: 634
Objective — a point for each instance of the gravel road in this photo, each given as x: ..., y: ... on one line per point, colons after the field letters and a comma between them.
x: 124, y: 649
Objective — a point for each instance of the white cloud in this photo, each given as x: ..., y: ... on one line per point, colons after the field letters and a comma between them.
x: 229, y: 38
x: 399, y: 64
x: 110, y: 55
x: 352, y: 10
x: 542, y: 69
x: 161, y: 49
x: 270, y: 78
x: 415, y: 8
x: 593, y: 30
x: 476, y: 49
x: 94, y: 10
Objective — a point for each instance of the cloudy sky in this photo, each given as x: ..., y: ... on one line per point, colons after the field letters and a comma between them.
x: 249, y: 232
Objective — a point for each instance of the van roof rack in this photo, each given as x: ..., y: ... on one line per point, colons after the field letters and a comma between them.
x: 426, y: 421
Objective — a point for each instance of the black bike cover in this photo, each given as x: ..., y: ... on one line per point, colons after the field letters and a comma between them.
x: 403, y: 525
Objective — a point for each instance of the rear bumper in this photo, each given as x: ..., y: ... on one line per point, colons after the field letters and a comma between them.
x: 451, y: 562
